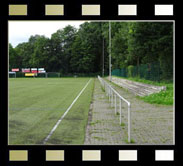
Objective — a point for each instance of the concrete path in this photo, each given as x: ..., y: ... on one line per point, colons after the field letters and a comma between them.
x: 151, y: 124
x: 103, y: 126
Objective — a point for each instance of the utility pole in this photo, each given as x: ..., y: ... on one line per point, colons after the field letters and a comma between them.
x: 103, y: 60
x: 109, y: 50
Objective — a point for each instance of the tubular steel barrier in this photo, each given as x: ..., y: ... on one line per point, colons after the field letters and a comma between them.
x: 113, y: 94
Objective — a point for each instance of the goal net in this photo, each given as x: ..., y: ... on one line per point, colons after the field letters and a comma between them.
x: 12, y: 74
x: 52, y: 74
x: 42, y: 75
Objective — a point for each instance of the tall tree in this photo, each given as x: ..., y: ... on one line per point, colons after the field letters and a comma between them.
x: 71, y: 50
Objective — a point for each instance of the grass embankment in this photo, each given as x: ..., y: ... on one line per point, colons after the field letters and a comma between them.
x: 35, y: 105
x: 163, y: 97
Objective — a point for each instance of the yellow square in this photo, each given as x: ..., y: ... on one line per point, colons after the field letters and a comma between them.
x: 54, y: 155
x: 16, y: 10
x: 91, y: 10
x: 18, y: 155
x: 54, y: 10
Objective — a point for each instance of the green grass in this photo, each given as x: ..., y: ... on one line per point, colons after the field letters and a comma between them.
x: 122, y: 124
x: 36, y: 104
x: 95, y: 122
x: 117, y: 113
x: 163, y: 97
x: 131, y: 141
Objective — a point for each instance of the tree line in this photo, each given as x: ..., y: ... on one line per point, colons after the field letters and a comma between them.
x: 71, y: 50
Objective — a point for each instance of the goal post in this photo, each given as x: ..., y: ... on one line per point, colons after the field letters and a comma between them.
x: 48, y: 75
x: 42, y: 75
x: 35, y: 75
x: 12, y: 74
x: 53, y: 74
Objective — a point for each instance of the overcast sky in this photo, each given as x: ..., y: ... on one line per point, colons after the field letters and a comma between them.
x: 20, y: 31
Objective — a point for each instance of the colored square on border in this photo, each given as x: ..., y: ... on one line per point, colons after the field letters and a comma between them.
x: 17, y: 10
x: 164, y: 155
x: 54, y: 10
x: 88, y: 10
x: 127, y: 155
x: 91, y: 155
x: 127, y: 10
x: 18, y: 155
x: 55, y: 155
x: 163, y: 10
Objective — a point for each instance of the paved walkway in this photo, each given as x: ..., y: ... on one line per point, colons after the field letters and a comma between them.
x: 151, y: 124
x: 103, y: 126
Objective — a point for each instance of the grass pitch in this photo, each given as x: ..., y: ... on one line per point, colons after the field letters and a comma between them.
x: 36, y: 104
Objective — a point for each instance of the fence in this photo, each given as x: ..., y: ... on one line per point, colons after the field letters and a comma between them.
x: 150, y: 71
x: 56, y: 75
x: 113, y: 95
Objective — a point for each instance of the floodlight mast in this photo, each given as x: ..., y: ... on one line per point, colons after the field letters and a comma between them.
x: 109, y: 50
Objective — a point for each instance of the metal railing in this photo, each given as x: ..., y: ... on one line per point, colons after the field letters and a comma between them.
x: 113, y: 95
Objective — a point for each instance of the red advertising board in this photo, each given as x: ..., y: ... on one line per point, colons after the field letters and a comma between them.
x: 26, y: 70
x: 15, y: 69
x: 33, y: 70
x: 41, y: 71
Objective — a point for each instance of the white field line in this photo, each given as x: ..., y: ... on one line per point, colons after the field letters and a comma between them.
x: 62, y: 117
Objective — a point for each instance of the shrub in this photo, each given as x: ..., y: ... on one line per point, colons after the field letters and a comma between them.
x: 130, y: 70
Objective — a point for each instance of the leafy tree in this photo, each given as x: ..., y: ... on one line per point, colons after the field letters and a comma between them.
x: 71, y: 50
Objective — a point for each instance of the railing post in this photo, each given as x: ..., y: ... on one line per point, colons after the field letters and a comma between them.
x: 105, y: 89
x: 129, y: 123
x: 112, y: 98
x: 109, y: 94
x: 115, y: 105
x: 120, y: 106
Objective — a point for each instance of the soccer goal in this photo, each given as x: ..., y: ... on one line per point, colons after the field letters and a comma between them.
x: 42, y: 75
x: 53, y: 74
x: 12, y: 74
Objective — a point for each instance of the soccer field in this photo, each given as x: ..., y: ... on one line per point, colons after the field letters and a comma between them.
x: 36, y: 105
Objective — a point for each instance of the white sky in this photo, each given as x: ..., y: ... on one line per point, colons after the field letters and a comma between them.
x: 20, y: 31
